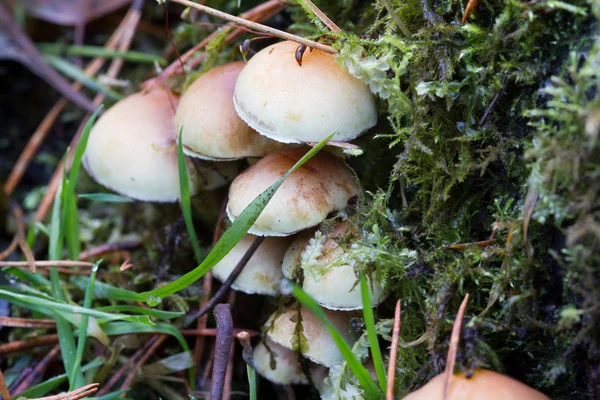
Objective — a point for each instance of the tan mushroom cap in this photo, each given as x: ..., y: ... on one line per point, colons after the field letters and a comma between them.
x: 131, y: 148
x: 321, y: 346
x: 483, y: 385
x: 211, y: 128
x: 287, y: 368
x: 262, y: 273
x: 297, y: 104
x: 323, y: 185
x: 332, y: 285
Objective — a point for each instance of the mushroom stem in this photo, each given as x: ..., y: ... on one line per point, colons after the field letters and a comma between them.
x: 232, y: 277
x: 257, y: 27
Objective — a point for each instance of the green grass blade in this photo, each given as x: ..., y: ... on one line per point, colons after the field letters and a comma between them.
x: 43, y: 388
x: 83, y: 328
x: 113, y: 395
x: 98, y: 51
x: 74, y: 72
x: 186, y: 203
x: 106, y: 198
x: 367, y: 383
x: 70, y: 201
x: 251, y: 381
x: 231, y: 236
x: 141, y: 310
x: 371, y: 331
x: 105, y: 291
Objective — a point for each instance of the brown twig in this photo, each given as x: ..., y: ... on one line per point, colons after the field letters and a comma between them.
x: 109, y: 248
x: 20, y: 235
x: 11, y: 247
x: 47, y: 264
x: 490, y: 107
x: 25, y: 344
x: 76, y: 394
x: 124, y: 42
x: 257, y: 27
x: 132, y: 374
x: 222, y: 349
x: 27, y: 322
x: 4, y: 392
x: 38, y: 370
x: 393, y: 352
x: 322, y: 17
x: 231, y: 278
x: 454, y: 337
x: 258, y: 13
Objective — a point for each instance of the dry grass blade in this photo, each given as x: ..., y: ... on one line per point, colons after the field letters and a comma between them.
x: 20, y: 235
x: 451, y: 358
x: 3, y: 388
x: 530, y: 202
x: 393, y: 352
x: 27, y: 322
x: 257, y: 27
x: 396, y: 18
x: 471, y: 6
x: 322, y: 17
x: 11, y: 247
x: 482, y: 243
x: 75, y: 394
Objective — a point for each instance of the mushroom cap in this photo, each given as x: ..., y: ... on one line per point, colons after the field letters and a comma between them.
x: 262, y: 273
x: 483, y: 385
x: 321, y: 346
x: 131, y: 148
x: 212, y: 129
x: 287, y: 368
x: 322, y: 185
x: 297, y: 104
x: 331, y: 285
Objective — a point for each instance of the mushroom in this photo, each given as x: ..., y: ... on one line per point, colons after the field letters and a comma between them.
x: 324, y: 184
x: 262, y: 273
x: 212, y: 129
x: 321, y: 348
x: 131, y: 150
x: 328, y: 277
x: 483, y: 385
x: 297, y: 104
x: 288, y: 370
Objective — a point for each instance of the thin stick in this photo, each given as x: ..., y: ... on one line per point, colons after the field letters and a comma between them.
x: 222, y: 347
x: 257, y: 27
x: 129, y: 24
x: 25, y: 344
x: 257, y: 14
x: 3, y: 388
x: 322, y: 17
x: 109, y: 248
x: 47, y: 264
x: 11, y: 247
x: 231, y: 278
x: 27, y: 322
x: 482, y: 243
x: 121, y: 371
x: 76, y: 394
x: 393, y: 352
x: 132, y: 375
x: 38, y: 370
x: 20, y: 235
x: 454, y: 337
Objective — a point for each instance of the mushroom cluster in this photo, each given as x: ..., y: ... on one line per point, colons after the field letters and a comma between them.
x: 236, y: 111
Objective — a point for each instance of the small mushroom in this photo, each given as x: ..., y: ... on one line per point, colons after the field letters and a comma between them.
x: 212, y: 129
x: 287, y: 369
x: 132, y: 150
x: 262, y: 273
x: 328, y: 278
x: 321, y: 346
x: 483, y: 385
x: 321, y: 186
x: 298, y: 104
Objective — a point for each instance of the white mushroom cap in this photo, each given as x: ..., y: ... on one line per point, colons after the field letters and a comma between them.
x: 262, y: 273
x: 287, y: 368
x: 327, y: 279
x: 321, y: 346
x: 483, y: 385
x: 211, y: 128
x: 131, y: 148
x: 323, y: 185
x: 297, y: 104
